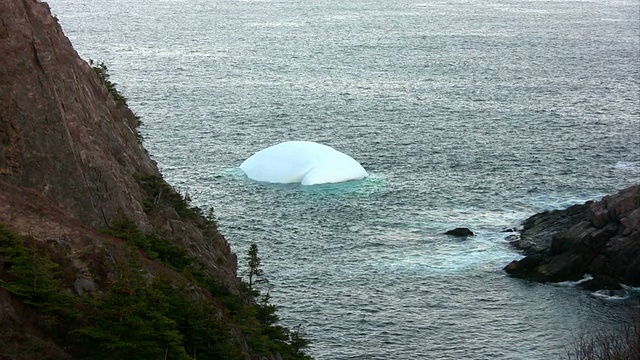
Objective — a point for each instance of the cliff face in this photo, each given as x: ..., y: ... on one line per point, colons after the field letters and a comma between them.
x: 61, y: 133
x: 598, y: 238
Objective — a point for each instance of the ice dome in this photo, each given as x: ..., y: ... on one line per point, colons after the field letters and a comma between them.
x: 304, y: 162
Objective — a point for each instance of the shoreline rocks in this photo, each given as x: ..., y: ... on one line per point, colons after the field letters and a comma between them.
x: 460, y: 232
x: 599, y: 238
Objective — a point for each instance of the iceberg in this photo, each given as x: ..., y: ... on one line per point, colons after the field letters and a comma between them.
x: 304, y: 162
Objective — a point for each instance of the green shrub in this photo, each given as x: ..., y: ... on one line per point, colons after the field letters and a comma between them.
x: 155, y: 246
x: 140, y: 315
x: 161, y: 193
x: 31, y: 276
x: 102, y: 72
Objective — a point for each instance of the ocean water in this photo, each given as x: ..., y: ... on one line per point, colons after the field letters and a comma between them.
x: 475, y: 113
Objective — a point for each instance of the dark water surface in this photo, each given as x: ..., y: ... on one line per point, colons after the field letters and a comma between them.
x: 465, y: 113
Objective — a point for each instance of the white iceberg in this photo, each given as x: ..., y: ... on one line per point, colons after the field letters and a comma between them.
x: 304, y: 162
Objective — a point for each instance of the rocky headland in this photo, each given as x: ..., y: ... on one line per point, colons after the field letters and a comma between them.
x: 599, y: 238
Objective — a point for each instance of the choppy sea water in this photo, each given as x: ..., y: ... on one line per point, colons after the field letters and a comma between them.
x: 469, y: 113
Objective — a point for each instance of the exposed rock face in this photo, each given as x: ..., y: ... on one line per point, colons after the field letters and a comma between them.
x: 61, y: 133
x: 86, y: 252
x: 598, y: 238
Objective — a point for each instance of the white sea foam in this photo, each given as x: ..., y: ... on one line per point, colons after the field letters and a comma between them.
x: 447, y: 256
x: 615, y: 295
x: 585, y: 278
x: 631, y: 290
x: 553, y: 201
x: 628, y: 165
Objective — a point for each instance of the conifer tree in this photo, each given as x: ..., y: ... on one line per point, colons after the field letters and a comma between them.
x: 254, y: 270
x: 131, y: 321
x: 32, y: 275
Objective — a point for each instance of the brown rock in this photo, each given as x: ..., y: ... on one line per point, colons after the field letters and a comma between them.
x: 62, y: 133
x: 599, y: 215
x: 601, y: 283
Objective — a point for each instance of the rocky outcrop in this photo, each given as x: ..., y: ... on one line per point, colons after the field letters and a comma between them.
x: 598, y: 238
x: 63, y: 135
x: 61, y: 132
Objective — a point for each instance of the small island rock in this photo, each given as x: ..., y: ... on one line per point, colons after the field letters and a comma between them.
x: 460, y: 232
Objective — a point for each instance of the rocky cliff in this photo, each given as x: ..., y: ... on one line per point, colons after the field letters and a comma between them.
x: 598, y: 238
x: 79, y: 194
x: 62, y: 133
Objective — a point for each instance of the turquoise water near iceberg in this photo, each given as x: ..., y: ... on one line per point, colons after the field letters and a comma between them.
x: 465, y: 113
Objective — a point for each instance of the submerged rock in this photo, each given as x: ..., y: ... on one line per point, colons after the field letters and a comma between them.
x: 598, y: 238
x: 460, y: 232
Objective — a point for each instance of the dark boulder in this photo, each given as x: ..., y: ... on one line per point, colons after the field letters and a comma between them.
x: 538, y: 230
x: 598, y: 238
x: 460, y: 232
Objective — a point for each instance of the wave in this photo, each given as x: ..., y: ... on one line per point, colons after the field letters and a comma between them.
x: 585, y: 278
x: 628, y: 166
x: 615, y: 295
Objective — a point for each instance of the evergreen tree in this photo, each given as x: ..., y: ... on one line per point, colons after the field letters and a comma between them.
x: 103, y: 74
x: 254, y: 270
x: 267, y: 311
x: 297, y: 344
x: 32, y: 276
x: 141, y: 315
x: 131, y: 321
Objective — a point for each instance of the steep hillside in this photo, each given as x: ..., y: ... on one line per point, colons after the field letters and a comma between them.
x: 63, y: 135
x: 79, y: 194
